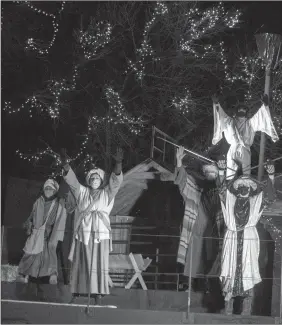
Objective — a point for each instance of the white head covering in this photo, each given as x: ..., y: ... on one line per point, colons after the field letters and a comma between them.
x: 97, y: 171
x: 210, y: 170
x: 51, y: 183
x: 245, y: 181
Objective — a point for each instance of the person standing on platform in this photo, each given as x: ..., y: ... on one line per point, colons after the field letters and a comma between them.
x: 45, y: 227
x: 91, y: 244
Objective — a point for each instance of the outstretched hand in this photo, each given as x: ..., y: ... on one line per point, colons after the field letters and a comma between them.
x: 119, y: 155
x: 221, y: 164
x: 180, y: 154
x: 269, y: 167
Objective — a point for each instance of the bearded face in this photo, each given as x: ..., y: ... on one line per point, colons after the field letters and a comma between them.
x: 243, y: 191
x: 241, y: 111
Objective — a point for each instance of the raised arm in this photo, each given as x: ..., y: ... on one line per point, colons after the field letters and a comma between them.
x: 269, y: 189
x: 180, y: 173
x: 116, y: 177
x: 79, y: 191
x: 220, y: 120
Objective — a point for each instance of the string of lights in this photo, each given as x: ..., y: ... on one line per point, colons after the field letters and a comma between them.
x: 248, y: 71
x: 120, y: 116
x: 82, y: 157
x: 55, y: 88
x: 146, y: 50
x: 96, y: 37
x: 184, y: 104
x: 201, y: 23
x: 35, y: 45
x: 36, y: 157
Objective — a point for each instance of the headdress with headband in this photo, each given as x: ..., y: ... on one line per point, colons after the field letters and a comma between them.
x: 97, y: 171
x: 51, y: 183
x: 210, y: 170
x: 245, y: 181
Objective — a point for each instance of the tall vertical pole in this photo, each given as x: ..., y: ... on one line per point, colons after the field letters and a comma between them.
x: 262, y: 138
x: 190, y: 277
x: 280, y: 316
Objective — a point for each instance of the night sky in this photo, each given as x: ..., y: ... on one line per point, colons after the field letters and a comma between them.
x: 24, y: 72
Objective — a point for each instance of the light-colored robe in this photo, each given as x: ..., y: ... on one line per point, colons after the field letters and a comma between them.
x: 35, y: 242
x: 251, y: 245
x: 101, y: 202
x: 47, y: 223
x: 240, y: 135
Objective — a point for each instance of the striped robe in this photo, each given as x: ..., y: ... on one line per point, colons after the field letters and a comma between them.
x: 195, y: 222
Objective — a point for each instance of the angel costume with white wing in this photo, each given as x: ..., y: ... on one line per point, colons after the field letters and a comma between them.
x: 239, y: 133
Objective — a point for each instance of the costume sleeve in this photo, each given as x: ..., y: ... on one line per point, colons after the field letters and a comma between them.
x: 113, y: 187
x: 220, y: 120
x: 262, y: 121
x: 180, y: 175
x: 79, y: 191
x: 71, y: 203
x: 62, y: 221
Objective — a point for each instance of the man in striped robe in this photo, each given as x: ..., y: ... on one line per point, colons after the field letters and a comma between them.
x: 195, y: 223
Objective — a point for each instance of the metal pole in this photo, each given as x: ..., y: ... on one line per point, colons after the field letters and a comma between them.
x: 280, y: 320
x: 2, y: 240
x: 189, y: 151
x: 190, y: 278
x: 262, y: 137
x: 153, y: 142
x: 90, y: 275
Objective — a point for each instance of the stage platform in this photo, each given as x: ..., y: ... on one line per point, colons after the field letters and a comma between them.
x: 15, y: 312
x: 42, y: 304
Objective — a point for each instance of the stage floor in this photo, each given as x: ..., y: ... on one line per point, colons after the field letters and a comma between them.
x: 27, y: 303
x: 13, y: 312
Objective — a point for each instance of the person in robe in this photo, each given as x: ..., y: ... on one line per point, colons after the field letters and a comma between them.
x: 45, y: 228
x: 239, y: 132
x: 196, y: 224
x: 242, y: 202
x: 91, y: 243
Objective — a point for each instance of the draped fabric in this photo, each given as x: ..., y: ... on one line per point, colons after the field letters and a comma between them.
x: 239, y: 133
x: 195, y: 224
x: 251, y: 245
x: 191, y: 194
x: 91, y: 243
x: 47, y: 220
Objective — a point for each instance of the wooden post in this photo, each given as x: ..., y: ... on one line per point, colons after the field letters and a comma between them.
x: 262, y: 138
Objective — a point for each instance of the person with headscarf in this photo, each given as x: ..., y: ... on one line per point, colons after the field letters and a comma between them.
x: 91, y: 243
x: 239, y: 132
x: 45, y: 227
x: 196, y: 222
